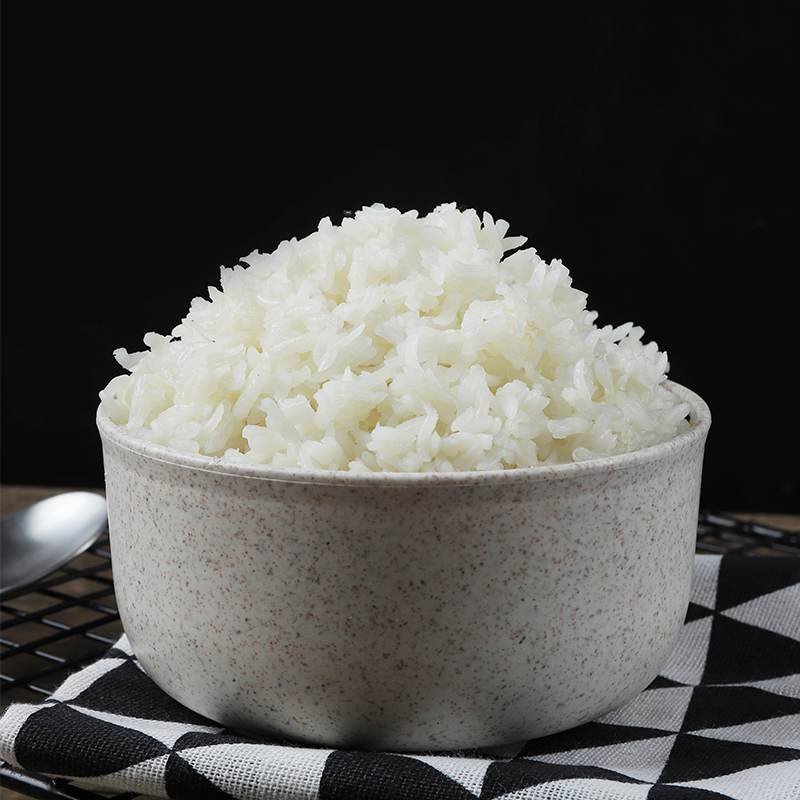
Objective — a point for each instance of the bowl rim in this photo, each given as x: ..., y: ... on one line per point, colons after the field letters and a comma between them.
x: 699, y: 418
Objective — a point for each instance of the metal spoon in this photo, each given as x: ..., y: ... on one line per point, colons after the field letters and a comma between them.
x: 45, y: 536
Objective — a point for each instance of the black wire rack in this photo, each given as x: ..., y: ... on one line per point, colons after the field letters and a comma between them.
x: 69, y: 619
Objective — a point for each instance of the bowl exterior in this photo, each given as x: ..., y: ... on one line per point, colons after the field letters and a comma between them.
x: 432, y: 617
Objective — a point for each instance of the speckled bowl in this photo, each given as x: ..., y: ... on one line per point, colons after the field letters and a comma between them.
x: 404, y: 611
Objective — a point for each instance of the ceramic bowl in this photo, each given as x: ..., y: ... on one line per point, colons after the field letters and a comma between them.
x: 403, y: 611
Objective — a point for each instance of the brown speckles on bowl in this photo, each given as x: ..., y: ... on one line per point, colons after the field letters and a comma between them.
x: 438, y: 611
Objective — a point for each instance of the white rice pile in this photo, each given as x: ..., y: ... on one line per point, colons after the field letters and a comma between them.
x: 401, y: 343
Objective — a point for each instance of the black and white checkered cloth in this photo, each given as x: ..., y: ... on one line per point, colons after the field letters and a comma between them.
x: 721, y: 721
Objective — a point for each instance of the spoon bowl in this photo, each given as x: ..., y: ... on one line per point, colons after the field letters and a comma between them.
x: 48, y: 534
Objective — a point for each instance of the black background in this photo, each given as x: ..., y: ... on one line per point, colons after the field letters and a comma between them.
x: 653, y: 153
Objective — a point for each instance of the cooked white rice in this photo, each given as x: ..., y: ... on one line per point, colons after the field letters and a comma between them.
x: 395, y: 342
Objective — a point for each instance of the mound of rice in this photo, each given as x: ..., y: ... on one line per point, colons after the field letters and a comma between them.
x: 395, y: 342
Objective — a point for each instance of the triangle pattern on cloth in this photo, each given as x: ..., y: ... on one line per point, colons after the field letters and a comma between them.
x: 167, y: 733
x: 54, y: 740
x: 695, y: 611
x: 399, y: 777
x: 592, y: 734
x: 665, y: 791
x: 660, y: 682
x: 704, y: 581
x: 696, y: 757
x: 777, y: 611
x: 505, y: 777
x: 183, y: 780
x: 469, y: 772
x: 643, y: 760
x: 268, y: 767
x: 736, y: 585
x: 687, y: 661
x: 581, y: 789
x: 80, y: 681
x: 773, y: 782
x: 738, y: 652
x: 722, y: 706
x: 124, y: 645
x: 655, y: 708
x: 777, y: 731
x: 145, y: 778
x: 128, y: 691
x: 11, y: 723
x: 117, y: 652
x: 788, y: 686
